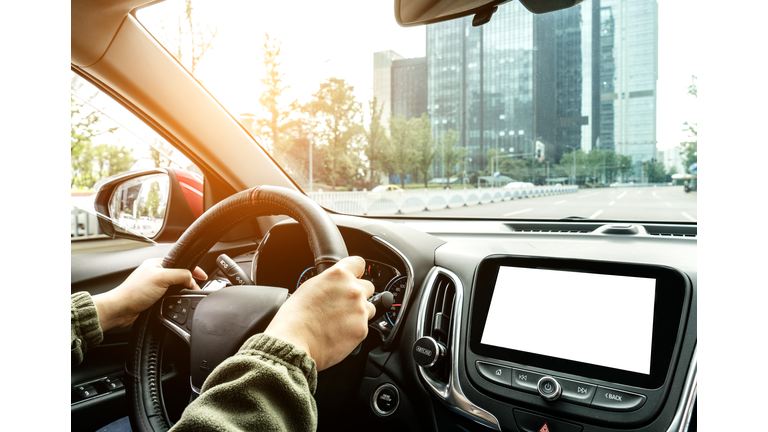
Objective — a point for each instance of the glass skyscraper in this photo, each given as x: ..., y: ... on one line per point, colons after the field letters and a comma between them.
x: 584, y: 77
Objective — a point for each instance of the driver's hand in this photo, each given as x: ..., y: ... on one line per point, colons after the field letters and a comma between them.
x: 328, y: 315
x: 121, y: 306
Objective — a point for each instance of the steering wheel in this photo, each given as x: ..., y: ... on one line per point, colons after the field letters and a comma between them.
x: 215, y: 324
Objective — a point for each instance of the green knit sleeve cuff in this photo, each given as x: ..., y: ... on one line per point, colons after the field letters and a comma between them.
x: 85, y: 329
x: 285, y: 352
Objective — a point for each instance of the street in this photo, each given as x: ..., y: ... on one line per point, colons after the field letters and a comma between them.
x: 658, y: 204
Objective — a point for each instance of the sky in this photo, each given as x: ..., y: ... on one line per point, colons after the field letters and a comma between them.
x: 319, y: 41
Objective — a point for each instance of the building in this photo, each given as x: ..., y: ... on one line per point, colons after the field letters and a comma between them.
x: 382, y: 81
x: 409, y: 87
x: 561, y: 78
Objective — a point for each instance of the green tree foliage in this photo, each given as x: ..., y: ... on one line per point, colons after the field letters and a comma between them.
x: 425, y: 150
x: 340, y: 130
x: 400, y: 154
x: 277, y: 124
x: 654, y: 171
x: 376, y: 140
x: 450, y: 155
x: 596, y: 166
x: 90, y: 162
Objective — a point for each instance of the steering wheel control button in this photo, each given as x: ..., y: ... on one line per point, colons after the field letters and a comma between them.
x: 549, y: 388
x: 499, y: 374
x: 176, y: 309
x: 526, y: 380
x: 577, y: 392
x: 616, y: 400
x: 385, y: 400
x: 427, y: 352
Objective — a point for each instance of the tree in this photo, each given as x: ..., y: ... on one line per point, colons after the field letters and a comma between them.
x: 690, y: 148
x: 450, y: 155
x: 85, y: 126
x: 277, y: 122
x: 338, y: 114
x: 376, y: 140
x: 400, y: 153
x: 425, y: 150
x: 654, y: 170
x: 189, y: 41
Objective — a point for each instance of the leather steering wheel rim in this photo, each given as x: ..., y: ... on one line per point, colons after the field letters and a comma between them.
x: 144, y: 361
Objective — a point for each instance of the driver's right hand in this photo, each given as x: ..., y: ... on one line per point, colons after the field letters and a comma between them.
x: 328, y: 315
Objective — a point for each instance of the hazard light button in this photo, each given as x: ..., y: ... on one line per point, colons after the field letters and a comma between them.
x: 528, y: 422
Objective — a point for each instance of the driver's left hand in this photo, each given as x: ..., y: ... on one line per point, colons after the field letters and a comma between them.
x: 122, y: 305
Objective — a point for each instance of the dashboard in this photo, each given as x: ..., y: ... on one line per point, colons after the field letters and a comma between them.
x: 575, y: 326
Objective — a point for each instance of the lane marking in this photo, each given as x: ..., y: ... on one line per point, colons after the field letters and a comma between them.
x: 611, y: 203
x: 688, y: 216
x: 622, y: 195
x: 560, y: 202
x: 597, y: 213
x: 655, y: 196
x: 670, y: 205
x: 517, y: 212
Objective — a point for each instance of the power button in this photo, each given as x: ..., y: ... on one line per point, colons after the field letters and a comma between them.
x: 549, y: 388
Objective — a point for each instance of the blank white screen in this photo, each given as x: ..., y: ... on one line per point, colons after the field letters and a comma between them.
x: 603, y: 320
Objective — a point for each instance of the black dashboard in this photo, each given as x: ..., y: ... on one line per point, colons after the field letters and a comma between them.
x: 578, y: 326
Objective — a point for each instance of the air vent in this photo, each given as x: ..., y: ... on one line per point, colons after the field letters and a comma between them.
x: 438, y: 322
x: 672, y: 230
x: 553, y: 228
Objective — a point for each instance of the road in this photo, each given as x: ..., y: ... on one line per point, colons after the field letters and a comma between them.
x: 665, y: 203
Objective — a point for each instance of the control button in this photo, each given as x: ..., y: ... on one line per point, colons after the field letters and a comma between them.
x: 86, y: 390
x: 525, y: 380
x: 616, y: 400
x: 549, y: 388
x: 385, y: 400
x: 113, y: 383
x: 498, y: 374
x: 577, y: 392
x: 176, y: 309
x: 535, y: 423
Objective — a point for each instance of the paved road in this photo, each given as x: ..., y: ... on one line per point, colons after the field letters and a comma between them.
x: 667, y: 203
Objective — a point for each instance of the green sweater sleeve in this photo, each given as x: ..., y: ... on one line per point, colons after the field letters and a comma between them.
x: 86, y: 332
x: 267, y: 386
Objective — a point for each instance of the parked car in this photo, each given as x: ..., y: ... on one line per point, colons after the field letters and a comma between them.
x: 386, y: 188
x: 506, y: 316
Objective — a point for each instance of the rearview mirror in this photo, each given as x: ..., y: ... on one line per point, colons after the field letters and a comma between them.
x: 419, y: 12
x: 155, y: 205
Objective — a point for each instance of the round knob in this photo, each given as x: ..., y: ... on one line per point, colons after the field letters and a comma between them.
x: 427, y: 352
x: 549, y: 388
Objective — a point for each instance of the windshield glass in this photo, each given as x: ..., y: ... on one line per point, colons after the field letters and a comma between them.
x: 588, y: 112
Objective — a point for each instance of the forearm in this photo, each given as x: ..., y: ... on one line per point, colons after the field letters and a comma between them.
x: 267, y: 385
x: 84, y: 325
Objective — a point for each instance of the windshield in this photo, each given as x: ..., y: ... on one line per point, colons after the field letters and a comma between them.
x: 588, y: 112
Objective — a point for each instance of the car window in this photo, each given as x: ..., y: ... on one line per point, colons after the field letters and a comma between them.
x: 107, y: 139
x: 588, y: 112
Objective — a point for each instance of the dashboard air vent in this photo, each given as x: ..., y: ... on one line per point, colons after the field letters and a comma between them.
x: 438, y: 321
x: 554, y: 227
x: 672, y: 230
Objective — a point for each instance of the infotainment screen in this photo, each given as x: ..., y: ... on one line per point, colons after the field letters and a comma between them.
x: 604, y: 320
x: 615, y: 322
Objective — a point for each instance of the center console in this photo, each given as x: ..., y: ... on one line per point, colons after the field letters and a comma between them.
x: 581, y: 341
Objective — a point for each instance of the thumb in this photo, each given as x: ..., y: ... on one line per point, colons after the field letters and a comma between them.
x: 353, y: 264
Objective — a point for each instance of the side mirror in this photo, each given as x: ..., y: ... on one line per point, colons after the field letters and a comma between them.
x: 156, y: 204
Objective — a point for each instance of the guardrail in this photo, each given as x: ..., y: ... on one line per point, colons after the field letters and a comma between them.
x: 412, y: 201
